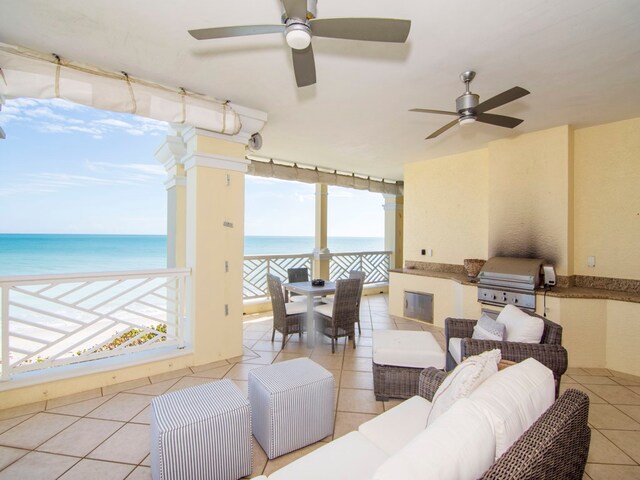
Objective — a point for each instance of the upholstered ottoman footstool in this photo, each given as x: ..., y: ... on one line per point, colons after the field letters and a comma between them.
x: 398, y: 358
x: 201, y: 432
x: 292, y: 405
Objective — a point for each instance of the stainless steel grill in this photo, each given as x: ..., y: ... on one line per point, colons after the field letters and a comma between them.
x: 504, y: 280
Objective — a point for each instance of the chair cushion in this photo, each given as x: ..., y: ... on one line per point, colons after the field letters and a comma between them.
x: 514, y: 398
x: 324, y: 309
x: 488, y: 329
x: 294, y: 308
x: 460, y: 444
x: 351, y: 456
x: 396, y: 427
x: 520, y: 327
x: 405, y: 348
x: 455, y: 348
x: 463, y: 380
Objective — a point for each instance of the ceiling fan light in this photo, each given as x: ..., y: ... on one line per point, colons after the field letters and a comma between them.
x: 298, y: 39
x: 467, y: 120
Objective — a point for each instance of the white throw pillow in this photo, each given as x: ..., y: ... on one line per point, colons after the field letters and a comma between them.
x: 488, y: 329
x: 520, y: 327
x: 463, y: 380
x: 514, y: 398
x: 459, y: 445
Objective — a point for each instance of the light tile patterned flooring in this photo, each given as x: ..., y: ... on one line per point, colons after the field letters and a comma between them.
x: 104, y: 433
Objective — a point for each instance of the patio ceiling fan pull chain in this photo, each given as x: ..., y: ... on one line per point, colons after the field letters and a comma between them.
x: 133, y: 97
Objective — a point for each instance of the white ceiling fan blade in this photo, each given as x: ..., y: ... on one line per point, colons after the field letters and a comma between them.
x: 368, y: 29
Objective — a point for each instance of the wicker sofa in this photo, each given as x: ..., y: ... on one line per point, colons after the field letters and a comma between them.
x: 549, y: 351
x: 555, y: 446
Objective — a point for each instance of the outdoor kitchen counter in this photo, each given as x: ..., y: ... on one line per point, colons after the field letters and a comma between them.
x: 561, y: 292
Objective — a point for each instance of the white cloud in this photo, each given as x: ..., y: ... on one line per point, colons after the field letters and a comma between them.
x: 44, y: 112
x: 114, y: 123
x: 135, y: 132
x: 143, y: 168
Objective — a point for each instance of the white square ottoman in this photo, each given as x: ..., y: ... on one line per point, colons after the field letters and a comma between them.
x: 201, y: 432
x: 398, y: 358
x: 292, y: 405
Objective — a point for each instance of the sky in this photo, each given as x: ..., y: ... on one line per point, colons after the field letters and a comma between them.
x: 67, y: 168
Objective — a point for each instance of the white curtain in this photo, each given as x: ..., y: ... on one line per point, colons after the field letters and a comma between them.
x: 26, y: 73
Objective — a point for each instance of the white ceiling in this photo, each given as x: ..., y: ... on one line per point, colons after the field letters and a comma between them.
x: 579, y: 58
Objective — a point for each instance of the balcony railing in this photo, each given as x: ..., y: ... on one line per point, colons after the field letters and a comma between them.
x: 374, y: 264
x: 50, y: 321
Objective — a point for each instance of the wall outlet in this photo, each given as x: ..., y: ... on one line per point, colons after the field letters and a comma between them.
x: 591, y: 261
x: 430, y: 252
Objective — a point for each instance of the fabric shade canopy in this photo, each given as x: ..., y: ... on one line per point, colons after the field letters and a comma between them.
x: 26, y: 73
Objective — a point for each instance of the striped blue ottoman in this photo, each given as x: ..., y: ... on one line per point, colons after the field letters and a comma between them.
x: 292, y: 405
x: 201, y: 432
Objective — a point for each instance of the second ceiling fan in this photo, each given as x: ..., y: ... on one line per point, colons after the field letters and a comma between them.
x: 299, y: 24
x: 469, y: 109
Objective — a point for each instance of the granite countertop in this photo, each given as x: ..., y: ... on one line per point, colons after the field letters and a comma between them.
x: 562, y: 292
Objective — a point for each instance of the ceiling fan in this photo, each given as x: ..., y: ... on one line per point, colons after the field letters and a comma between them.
x: 470, y: 111
x: 299, y: 24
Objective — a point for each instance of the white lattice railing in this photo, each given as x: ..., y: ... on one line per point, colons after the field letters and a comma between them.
x: 375, y: 265
x: 56, y: 320
x: 256, y: 268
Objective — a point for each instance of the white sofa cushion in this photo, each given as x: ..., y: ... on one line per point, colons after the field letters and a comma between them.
x: 455, y: 348
x: 351, y: 457
x: 463, y: 380
x: 295, y: 307
x: 513, y: 399
x: 459, y: 445
x: 398, y: 426
x: 487, y: 328
x: 520, y: 327
x: 405, y: 348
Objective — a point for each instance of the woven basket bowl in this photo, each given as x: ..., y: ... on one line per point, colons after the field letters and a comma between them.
x: 473, y: 266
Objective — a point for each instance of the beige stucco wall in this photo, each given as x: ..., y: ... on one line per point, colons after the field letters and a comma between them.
x: 529, y: 204
x: 607, y: 199
x: 559, y: 194
x: 446, y: 208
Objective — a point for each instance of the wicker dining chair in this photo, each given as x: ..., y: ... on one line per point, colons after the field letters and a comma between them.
x: 298, y: 274
x: 288, y: 318
x: 337, y: 319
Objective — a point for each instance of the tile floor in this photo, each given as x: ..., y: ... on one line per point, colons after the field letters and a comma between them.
x: 104, y: 433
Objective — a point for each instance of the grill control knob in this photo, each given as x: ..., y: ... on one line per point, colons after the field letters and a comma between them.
x: 515, y: 300
x: 494, y: 297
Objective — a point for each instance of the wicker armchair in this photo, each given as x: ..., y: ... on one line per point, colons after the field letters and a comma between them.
x: 549, y: 351
x: 337, y: 319
x: 555, y: 446
x: 283, y: 321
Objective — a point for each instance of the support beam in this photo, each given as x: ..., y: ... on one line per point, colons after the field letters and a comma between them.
x: 393, y: 228
x: 215, y: 170
x: 321, y: 250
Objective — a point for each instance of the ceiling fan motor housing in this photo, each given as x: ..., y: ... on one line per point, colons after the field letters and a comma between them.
x: 466, y: 104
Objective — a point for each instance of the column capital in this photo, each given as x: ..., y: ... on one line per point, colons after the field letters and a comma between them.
x: 175, y: 181
x: 171, y: 152
x: 220, y: 162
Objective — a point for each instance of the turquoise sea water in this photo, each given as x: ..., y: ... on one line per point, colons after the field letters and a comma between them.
x: 36, y: 254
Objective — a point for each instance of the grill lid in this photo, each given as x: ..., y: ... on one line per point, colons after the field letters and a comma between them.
x: 523, y: 273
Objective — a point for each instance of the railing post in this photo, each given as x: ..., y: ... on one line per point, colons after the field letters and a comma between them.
x: 6, y: 372
x: 180, y: 309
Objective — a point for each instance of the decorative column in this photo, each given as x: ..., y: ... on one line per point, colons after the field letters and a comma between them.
x: 321, y: 254
x: 393, y: 228
x: 215, y: 171
x: 171, y: 155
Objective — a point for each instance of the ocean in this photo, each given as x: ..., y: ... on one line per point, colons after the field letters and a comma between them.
x: 39, y: 254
